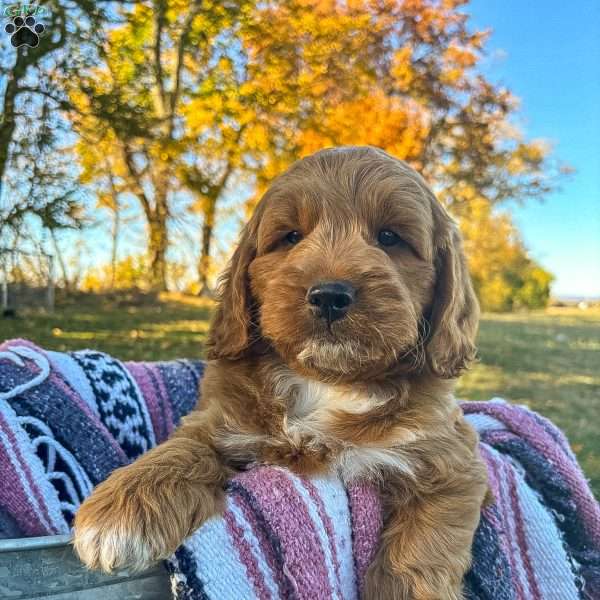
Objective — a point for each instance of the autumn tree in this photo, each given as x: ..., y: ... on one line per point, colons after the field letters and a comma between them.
x: 404, y: 76
x: 504, y: 276
x: 193, y: 96
x: 143, y: 107
x: 40, y: 195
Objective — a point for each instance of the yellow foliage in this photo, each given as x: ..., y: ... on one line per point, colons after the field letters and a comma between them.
x: 264, y: 83
x: 396, y: 125
x: 504, y: 276
x: 460, y: 56
x: 402, y: 69
x: 130, y: 272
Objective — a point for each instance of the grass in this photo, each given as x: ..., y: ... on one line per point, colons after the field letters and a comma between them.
x: 549, y: 360
x: 128, y: 326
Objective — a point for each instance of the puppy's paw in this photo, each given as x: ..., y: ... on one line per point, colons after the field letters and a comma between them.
x: 120, y: 527
x: 112, y: 545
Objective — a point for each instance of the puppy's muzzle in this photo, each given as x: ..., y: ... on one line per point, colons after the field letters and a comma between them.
x: 331, y: 300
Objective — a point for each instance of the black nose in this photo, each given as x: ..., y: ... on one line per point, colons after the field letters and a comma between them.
x: 331, y: 299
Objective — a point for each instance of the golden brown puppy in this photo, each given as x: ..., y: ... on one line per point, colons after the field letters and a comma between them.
x: 344, y: 315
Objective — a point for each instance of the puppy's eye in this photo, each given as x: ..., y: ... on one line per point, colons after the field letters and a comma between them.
x: 293, y: 237
x: 386, y: 237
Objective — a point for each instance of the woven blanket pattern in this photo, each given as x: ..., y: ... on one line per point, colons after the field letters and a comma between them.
x: 68, y: 419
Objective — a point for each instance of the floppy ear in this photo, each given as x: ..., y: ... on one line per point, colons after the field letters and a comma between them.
x: 455, y: 311
x: 229, y: 333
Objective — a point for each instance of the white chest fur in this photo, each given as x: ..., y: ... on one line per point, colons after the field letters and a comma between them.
x: 311, y: 398
x: 310, y: 407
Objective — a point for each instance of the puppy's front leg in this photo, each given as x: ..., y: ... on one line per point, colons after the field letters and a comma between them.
x: 143, y: 511
x: 426, y: 542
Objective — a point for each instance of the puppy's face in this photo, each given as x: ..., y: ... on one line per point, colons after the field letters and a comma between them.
x: 339, y: 270
x: 344, y: 266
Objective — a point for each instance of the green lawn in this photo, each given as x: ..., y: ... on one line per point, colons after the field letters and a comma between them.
x: 131, y: 327
x: 549, y: 360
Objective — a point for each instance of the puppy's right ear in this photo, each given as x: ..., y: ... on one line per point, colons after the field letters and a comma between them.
x: 455, y: 313
x: 229, y: 333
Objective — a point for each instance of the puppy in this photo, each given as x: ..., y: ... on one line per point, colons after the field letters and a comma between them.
x: 343, y: 317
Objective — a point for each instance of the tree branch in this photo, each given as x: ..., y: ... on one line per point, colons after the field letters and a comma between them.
x: 183, y: 39
x: 136, y: 179
x: 160, y: 21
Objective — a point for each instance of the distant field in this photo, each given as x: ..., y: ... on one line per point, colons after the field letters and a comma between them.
x: 548, y: 360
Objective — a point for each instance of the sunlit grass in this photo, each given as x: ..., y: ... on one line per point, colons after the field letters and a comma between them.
x: 131, y: 328
x: 547, y: 360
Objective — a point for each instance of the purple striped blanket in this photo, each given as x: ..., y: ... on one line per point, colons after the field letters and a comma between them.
x: 68, y: 419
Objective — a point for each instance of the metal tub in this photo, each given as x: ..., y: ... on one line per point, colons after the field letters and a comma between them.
x: 46, y: 567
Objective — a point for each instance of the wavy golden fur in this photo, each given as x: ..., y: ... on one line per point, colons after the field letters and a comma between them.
x: 361, y: 384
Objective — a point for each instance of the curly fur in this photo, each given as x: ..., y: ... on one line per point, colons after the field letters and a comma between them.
x: 369, y: 395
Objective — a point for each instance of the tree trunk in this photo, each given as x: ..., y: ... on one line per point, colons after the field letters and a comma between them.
x: 116, y: 230
x: 204, y: 263
x: 157, y: 247
x: 7, y: 122
x: 61, y: 262
x: 159, y: 237
x: 114, y: 249
x: 15, y: 75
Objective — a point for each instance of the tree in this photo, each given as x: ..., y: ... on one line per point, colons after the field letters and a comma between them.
x: 138, y: 106
x: 402, y: 75
x: 504, y: 276
x: 192, y: 96
x: 38, y: 179
x: 413, y: 88
x: 41, y: 191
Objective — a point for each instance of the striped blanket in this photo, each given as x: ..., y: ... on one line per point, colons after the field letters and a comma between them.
x: 67, y: 420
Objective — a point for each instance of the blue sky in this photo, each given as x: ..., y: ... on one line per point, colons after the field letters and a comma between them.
x: 548, y: 53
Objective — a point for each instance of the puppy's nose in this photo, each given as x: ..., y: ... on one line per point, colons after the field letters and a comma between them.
x: 331, y: 299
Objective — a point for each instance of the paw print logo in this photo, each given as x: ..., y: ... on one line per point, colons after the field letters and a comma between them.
x: 24, y: 32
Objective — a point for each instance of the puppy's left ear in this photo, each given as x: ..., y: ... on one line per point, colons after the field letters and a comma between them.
x: 455, y: 311
x: 230, y: 330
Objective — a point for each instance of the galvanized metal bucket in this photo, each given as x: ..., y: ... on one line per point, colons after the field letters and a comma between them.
x: 46, y: 567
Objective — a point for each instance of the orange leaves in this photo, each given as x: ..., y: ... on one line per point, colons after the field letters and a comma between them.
x: 397, y: 125
x: 402, y: 69
x: 460, y: 56
x: 457, y: 60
